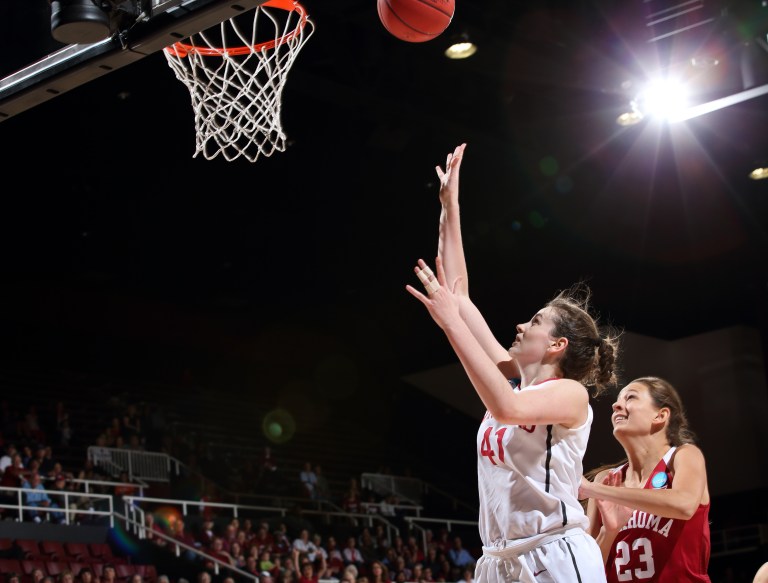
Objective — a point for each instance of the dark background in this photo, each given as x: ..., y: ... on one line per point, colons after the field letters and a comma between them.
x: 122, y: 253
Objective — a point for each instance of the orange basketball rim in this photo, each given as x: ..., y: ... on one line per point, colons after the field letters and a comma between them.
x: 181, y: 49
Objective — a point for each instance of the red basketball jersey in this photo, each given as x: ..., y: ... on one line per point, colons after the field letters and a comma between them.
x: 654, y: 549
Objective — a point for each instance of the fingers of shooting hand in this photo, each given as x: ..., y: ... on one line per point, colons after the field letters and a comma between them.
x: 417, y: 294
x: 440, y: 271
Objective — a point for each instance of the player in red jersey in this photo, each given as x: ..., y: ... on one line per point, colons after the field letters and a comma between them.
x: 650, y: 513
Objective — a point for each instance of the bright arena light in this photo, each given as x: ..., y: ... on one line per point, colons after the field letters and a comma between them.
x: 663, y: 99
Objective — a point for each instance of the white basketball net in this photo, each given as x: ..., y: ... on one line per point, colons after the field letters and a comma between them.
x: 237, y: 86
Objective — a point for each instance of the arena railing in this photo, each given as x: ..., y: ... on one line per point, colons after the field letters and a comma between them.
x: 134, y: 507
x: 412, y: 490
x: 140, y: 465
x: 71, y: 507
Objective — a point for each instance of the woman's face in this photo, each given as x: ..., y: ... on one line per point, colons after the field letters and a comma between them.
x: 533, y: 337
x: 634, y: 411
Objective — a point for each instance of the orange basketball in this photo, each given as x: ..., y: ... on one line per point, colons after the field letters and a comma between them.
x: 416, y: 21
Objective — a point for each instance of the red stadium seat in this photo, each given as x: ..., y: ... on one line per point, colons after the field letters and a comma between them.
x: 30, y: 548
x: 54, y: 550
x: 11, y: 566
x: 76, y: 567
x: 124, y: 571
x: 55, y: 568
x: 148, y: 573
x: 101, y: 551
x: 29, y: 565
x: 79, y: 552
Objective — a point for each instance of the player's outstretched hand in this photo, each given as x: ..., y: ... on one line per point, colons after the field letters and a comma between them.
x: 440, y: 300
x: 449, y: 178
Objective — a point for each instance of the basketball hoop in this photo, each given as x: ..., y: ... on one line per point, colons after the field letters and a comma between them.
x: 237, y: 90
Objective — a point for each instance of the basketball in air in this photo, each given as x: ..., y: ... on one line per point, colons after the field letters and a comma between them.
x: 416, y: 21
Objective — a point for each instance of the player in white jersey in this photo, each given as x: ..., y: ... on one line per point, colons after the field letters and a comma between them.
x: 534, y: 435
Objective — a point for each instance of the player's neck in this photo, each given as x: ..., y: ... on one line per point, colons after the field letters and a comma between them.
x: 644, y: 453
x: 538, y: 373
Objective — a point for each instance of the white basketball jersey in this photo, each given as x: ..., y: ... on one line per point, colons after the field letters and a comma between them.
x: 528, y: 478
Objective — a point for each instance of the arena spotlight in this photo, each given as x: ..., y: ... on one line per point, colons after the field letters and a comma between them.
x: 661, y: 99
x: 461, y: 47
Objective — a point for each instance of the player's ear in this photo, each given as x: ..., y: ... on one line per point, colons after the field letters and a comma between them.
x: 558, y: 345
x: 662, y: 415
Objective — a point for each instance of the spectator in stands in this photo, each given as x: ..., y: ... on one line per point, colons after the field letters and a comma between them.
x: 308, y: 480
x: 238, y: 555
x: 468, y: 575
x: 203, y: 577
x: 38, y: 498
x: 59, y: 497
x: 7, y: 458
x: 304, y: 545
x: 351, y: 554
x: 66, y: 576
x: 263, y: 539
x: 230, y: 533
x: 381, y: 539
x: 322, y: 487
x: 390, y: 559
x: 417, y: 572
x: 44, y: 457
x: 252, y: 565
x: 181, y: 534
x: 317, y: 540
x: 367, y: 546
x: 388, y: 506
x: 153, y: 528
x: 458, y: 555
x: 86, y: 576
x: 218, y: 552
x: 265, y: 562
x: 402, y: 568
x: 281, y: 545
x: 13, y: 577
x: 446, y: 570
x: 207, y: 533
x: 432, y: 560
x: 108, y: 573
x: 351, y: 500
x: 266, y: 577
x: 26, y: 455
x: 37, y: 575
x: 414, y: 548
x: 14, y: 473
x: 335, y: 559
x: 379, y: 572
x: 349, y: 575
x: 443, y: 541
x: 371, y: 505
x: 163, y: 579
x: 307, y: 573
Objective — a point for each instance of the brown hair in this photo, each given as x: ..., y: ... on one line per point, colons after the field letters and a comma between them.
x: 665, y: 395
x: 590, y: 357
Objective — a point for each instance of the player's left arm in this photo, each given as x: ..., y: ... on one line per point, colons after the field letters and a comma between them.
x: 688, y: 491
